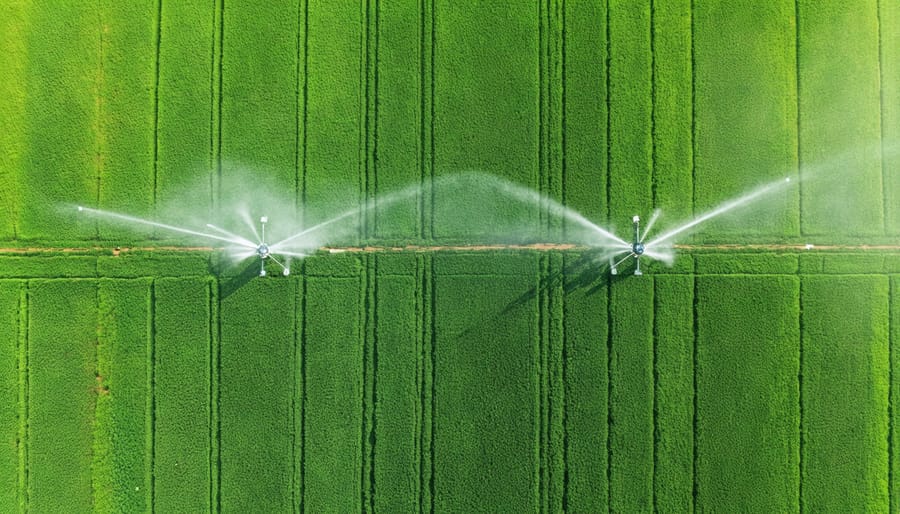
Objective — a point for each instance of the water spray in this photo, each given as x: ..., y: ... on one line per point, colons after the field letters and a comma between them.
x: 244, y: 246
x: 660, y: 248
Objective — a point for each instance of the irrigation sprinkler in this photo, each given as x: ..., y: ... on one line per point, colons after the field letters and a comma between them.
x: 265, y: 252
x: 636, y: 249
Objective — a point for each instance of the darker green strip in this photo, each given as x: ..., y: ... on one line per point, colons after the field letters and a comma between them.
x: 742, y: 138
x: 840, y: 125
x: 395, y: 459
x: 59, y: 164
x: 479, y: 69
x: 585, y: 328
x: 121, y: 457
x: 674, y: 392
x: 585, y: 87
x: 631, y: 116
x: 631, y: 403
x: 185, y: 106
x: 128, y: 122
x: 335, y: 100
x: 334, y: 394
x: 485, y: 390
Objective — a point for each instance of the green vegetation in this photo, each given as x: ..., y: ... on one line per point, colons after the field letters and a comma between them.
x: 186, y: 94
x: 630, y: 108
x: 398, y: 341
x: 257, y: 390
x: 631, y: 374
x: 180, y: 381
x: 845, y: 382
x: 13, y: 27
x: 333, y: 137
x: 59, y: 159
x: 840, y: 121
x: 122, y: 455
x: 332, y: 354
x: 674, y: 393
x: 486, y: 102
x: 126, y: 118
x: 747, y: 366
x: 485, y: 391
x: 11, y: 292
x: 585, y: 118
x: 889, y: 50
x: 745, y: 105
x: 672, y: 109
x: 259, y: 75
x: 759, y: 379
x: 399, y: 142
x: 586, y: 325
x: 62, y: 390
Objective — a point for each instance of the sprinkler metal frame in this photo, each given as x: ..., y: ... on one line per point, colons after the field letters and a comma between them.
x: 264, y: 251
x: 636, y: 250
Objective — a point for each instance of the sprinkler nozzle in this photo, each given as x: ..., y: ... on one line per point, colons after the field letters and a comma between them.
x: 80, y: 208
x: 636, y: 219
x: 264, y: 219
x: 286, y: 272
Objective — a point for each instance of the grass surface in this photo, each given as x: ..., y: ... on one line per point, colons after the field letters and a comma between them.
x: 397, y: 384
x: 181, y: 410
x: 486, y: 62
x: 332, y: 427
x: 631, y: 396
x: 846, y: 377
x: 485, y: 392
x: 674, y: 392
x: 256, y: 396
x: 11, y: 292
x: 59, y: 163
x: 122, y: 450
x: 840, y: 118
x: 127, y: 110
x: 745, y: 112
x: 747, y: 365
x: 62, y: 393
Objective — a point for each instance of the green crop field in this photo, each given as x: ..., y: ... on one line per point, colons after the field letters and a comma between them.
x: 424, y: 366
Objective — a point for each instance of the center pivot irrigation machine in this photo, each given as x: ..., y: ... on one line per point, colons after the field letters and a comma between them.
x: 263, y: 250
x: 636, y: 249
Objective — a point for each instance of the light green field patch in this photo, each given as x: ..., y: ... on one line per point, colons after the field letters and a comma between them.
x: 846, y: 377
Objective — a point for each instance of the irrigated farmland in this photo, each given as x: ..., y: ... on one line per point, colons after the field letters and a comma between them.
x: 417, y: 364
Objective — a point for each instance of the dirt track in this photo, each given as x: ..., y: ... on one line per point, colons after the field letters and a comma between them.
x: 754, y: 247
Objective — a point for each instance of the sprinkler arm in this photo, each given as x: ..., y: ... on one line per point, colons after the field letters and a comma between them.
x: 637, y: 229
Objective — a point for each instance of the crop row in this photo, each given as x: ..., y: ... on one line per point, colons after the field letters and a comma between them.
x: 406, y: 382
